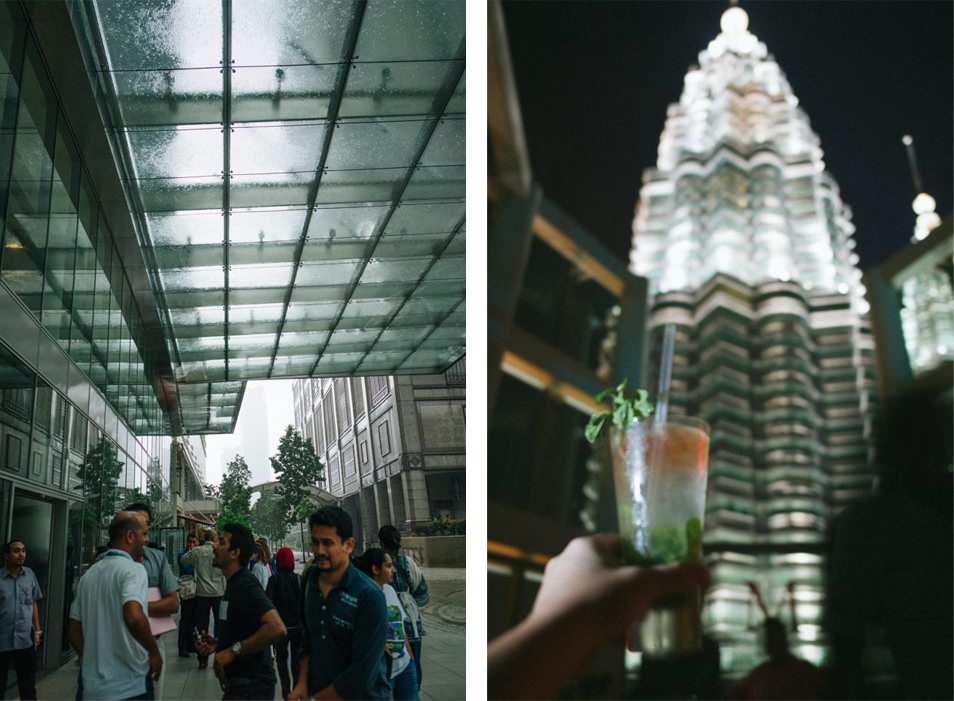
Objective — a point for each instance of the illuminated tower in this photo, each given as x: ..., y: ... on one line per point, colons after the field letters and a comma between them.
x: 748, y: 249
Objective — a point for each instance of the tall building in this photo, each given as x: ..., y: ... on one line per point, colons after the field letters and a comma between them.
x: 747, y: 247
x: 393, y: 448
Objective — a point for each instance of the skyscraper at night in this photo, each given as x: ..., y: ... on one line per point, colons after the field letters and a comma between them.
x: 748, y: 250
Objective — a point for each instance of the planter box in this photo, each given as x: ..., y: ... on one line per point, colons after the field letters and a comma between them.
x: 436, y: 551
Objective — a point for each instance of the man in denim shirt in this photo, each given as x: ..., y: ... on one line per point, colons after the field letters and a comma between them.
x: 344, y: 617
x: 19, y: 619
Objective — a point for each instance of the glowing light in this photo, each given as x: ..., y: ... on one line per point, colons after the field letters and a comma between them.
x: 923, y: 203
x: 907, y: 140
x: 734, y: 21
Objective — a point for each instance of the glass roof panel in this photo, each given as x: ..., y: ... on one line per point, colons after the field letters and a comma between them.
x: 277, y: 93
x: 410, y: 30
x: 334, y: 273
x: 425, y: 218
x: 187, y: 229
x: 394, y: 88
x: 402, y: 245
x: 448, y: 268
x: 153, y: 98
x: 458, y: 102
x: 447, y: 145
x: 271, y: 189
x: 345, y: 222
x: 173, y: 194
x: 184, y: 152
x: 260, y: 275
x: 207, y: 278
x: 375, y: 143
x: 276, y: 149
x: 265, y: 225
x: 287, y: 61
x: 279, y: 32
x: 383, y: 270
x: 151, y: 34
x: 262, y: 253
x: 347, y: 186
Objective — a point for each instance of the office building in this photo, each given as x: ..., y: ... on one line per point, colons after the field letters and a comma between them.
x: 393, y: 448
x: 747, y: 246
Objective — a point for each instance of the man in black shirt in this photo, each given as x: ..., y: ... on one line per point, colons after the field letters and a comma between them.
x: 248, y: 623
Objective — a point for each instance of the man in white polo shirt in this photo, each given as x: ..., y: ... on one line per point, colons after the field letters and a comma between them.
x: 108, y: 624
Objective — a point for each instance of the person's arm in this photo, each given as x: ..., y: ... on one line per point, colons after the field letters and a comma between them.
x: 586, y: 601
x: 417, y: 583
x: 37, y: 633
x: 271, y: 630
x: 75, y: 635
x: 300, y: 690
x: 169, y: 588
x: 138, y: 626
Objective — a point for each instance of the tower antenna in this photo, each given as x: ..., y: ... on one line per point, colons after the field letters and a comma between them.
x: 913, y: 163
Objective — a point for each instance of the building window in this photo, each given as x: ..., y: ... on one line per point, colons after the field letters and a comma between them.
x: 364, y: 452
x: 342, y: 404
x: 347, y: 461
x: 13, y: 453
x: 357, y: 395
x: 379, y: 388
x: 333, y: 471
x: 384, y: 437
x: 327, y: 409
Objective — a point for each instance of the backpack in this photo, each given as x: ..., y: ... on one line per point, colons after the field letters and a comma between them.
x: 412, y: 592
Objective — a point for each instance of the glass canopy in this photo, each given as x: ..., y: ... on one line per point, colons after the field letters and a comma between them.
x: 303, y: 208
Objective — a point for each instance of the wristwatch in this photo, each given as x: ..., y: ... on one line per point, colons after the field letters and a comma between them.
x: 236, y: 648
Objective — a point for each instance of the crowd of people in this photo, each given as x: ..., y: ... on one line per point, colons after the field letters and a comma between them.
x: 347, y: 628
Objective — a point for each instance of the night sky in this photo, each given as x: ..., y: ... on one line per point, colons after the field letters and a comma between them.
x: 595, y: 78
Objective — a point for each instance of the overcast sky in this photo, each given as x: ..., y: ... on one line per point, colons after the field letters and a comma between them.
x: 267, y: 411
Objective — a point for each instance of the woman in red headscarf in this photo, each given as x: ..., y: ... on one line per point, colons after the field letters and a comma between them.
x: 284, y: 589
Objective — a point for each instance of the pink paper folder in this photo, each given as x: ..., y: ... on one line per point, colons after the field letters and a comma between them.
x: 159, y: 624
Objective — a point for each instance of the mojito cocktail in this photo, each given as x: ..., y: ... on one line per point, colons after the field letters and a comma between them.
x: 660, y: 475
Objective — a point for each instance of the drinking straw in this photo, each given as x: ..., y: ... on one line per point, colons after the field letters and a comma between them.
x: 665, y: 375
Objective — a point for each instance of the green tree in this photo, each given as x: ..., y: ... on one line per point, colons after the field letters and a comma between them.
x: 99, y: 480
x: 268, y: 517
x: 297, y: 468
x: 229, y: 516
x: 234, y: 492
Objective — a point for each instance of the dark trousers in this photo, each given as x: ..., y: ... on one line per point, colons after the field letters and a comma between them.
x: 292, y: 640
x: 238, y: 689
x: 203, y: 605
x: 416, y: 649
x: 24, y: 661
x: 186, y: 624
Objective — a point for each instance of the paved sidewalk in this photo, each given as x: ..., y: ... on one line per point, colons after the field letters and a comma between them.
x: 443, y: 659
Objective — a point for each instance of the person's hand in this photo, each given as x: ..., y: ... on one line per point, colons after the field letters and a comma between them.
x: 222, y: 660
x: 588, y: 582
x: 299, y: 692
x: 206, y: 644
x: 155, y: 665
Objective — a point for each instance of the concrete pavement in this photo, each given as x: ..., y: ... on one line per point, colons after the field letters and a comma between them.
x: 442, y: 654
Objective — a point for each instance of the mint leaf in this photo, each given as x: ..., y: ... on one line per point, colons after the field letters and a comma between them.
x: 622, y: 412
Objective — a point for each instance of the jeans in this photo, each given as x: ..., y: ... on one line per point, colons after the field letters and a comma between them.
x: 24, y: 662
x: 293, y: 641
x: 404, y: 687
x: 416, y: 649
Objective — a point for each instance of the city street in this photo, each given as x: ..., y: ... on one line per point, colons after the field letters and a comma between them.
x: 443, y: 659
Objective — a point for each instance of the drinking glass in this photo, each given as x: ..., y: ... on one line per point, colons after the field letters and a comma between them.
x: 660, y: 472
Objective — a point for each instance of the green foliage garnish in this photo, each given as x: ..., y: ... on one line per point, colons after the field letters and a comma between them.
x: 621, y: 413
